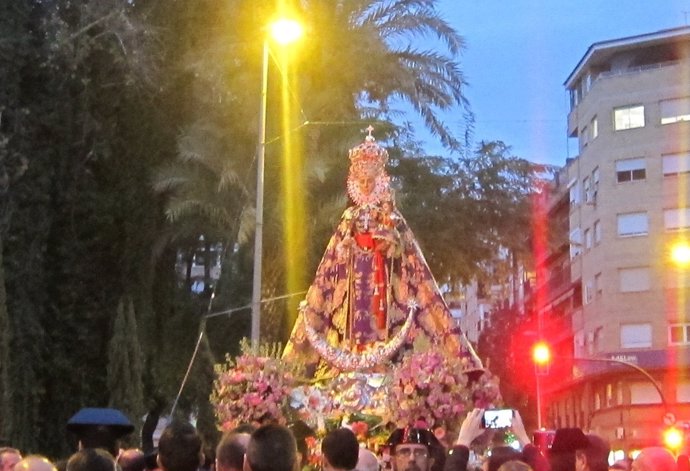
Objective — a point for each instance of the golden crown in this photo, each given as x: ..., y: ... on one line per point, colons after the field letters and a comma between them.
x: 368, y: 158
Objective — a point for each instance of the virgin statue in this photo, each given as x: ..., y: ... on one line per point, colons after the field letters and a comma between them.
x: 373, y: 294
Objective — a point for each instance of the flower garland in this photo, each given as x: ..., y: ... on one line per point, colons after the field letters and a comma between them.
x: 346, y: 360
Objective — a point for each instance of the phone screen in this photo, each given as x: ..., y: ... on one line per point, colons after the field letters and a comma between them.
x: 498, y: 418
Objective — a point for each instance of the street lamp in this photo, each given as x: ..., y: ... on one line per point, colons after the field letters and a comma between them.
x: 541, y: 356
x: 283, y: 31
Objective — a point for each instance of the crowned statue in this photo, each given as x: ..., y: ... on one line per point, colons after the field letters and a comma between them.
x: 373, y: 295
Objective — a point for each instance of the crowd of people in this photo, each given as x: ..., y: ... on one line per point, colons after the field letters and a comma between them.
x: 274, y: 447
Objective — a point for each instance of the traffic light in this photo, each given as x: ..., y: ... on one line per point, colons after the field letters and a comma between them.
x: 673, y: 438
x: 541, y: 356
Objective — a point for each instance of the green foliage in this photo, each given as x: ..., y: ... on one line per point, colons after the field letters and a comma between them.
x: 125, y: 364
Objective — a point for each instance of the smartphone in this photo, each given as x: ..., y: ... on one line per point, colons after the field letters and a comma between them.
x: 497, y: 418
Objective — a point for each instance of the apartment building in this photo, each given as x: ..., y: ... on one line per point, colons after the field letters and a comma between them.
x: 628, y: 205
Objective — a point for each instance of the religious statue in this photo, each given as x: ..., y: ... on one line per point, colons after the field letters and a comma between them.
x: 373, y: 294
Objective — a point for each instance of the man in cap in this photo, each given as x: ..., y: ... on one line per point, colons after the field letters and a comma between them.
x: 412, y: 449
x: 100, y: 428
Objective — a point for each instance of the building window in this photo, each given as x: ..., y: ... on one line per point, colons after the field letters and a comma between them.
x: 630, y: 170
x: 673, y: 164
x: 679, y: 334
x: 595, y: 184
x: 597, y: 232
x: 575, y: 243
x: 633, y: 224
x: 682, y: 391
x: 593, y: 128
x: 584, y: 135
x: 636, y: 335
x: 589, y: 292
x: 628, y: 117
x: 586, y: 190
x: 598, y: 288
x: 673, y: 111
x: 588, y: 239
x: 644, y: 393
x: 632, y: 280
x: 574, y: 190
x: 676, y: 219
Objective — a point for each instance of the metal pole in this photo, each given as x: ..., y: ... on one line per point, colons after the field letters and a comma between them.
x: 259, y: 224
x: 537, y: 375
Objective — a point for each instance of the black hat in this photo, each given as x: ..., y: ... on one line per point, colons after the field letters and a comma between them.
x: 417, y: 436
x: 569, y: 440
x: 99, y: 428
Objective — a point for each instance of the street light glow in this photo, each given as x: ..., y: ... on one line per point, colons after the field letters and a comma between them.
x: 680, y: 254
x: 673, y: 438
x: 541, y: 353
x: 286, y: 31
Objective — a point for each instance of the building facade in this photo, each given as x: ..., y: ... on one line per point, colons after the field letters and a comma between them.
x: 628, y: 205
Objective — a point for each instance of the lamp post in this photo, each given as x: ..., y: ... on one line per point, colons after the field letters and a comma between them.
x: 541, y: 356
x: 284, y: 32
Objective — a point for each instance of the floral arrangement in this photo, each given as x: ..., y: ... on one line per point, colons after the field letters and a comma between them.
x: 254, y: 387
x: 430, y: 390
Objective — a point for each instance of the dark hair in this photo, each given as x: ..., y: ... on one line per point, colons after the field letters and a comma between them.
x: 179, y: 448
x: 341, y: 449
x: 597, y: 453
x: 230, y: 451
x: 272, y: 448
x: 502, y: 454
x: 91, y: 459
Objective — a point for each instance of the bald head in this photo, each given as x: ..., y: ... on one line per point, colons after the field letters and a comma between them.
x: 654, y: 458
x: 367, y: 461
x: 35, y: 463
x: 230, y: 451
x: 132, y: 459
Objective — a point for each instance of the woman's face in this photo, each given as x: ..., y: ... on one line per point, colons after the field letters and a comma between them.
x: 367, y: 185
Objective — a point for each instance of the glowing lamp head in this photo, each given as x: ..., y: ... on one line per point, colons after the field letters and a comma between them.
x: 286, y: 31
x: 680, y: 254
x: 541, y: 353
x: 673, y: 438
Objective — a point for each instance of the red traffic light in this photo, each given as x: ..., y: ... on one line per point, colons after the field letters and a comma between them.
x: 541, y: 353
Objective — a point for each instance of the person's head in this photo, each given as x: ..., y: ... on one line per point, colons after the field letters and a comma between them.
x: 34, y: 463
x: 595, y: 456
x: 565, y: 442
x: 100, y: 428
x: 500, y: 455
x: 9, y: 457
x: 654, y: 458
x: 91, y: 459
x: 340, y: 450
x: 132, y: 459
x: 301, y: 431
x: 179, y: 447
x: 411, y: 449
x: 271, y: 447
x: 515, y: 465
x: 230, y: 451
x: 367, y: 460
